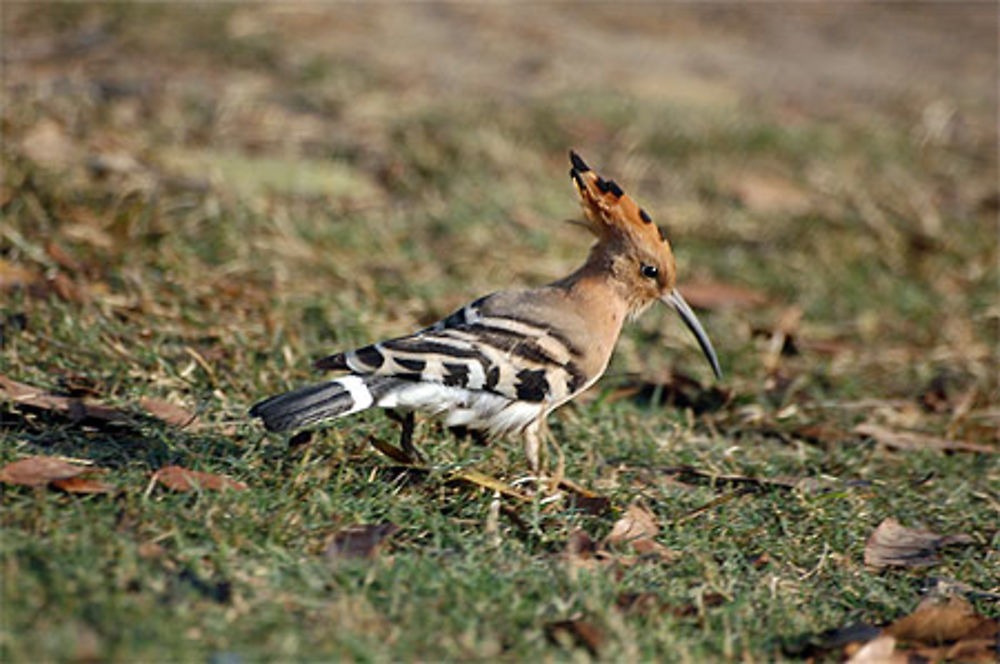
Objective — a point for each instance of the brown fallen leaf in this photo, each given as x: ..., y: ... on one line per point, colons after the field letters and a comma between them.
x: 361, y: 541
x: 815, y: 646
x: 168, y: 412
x: 879, y: 651
x: 584, y: 499
x: 82, y: 485
x: 636, y: 524
x: 39, y: 471
x: 181, y: 479
x: 150, y: 550
x: 911, y: 440
x: 53, y: 472
x: 15, y: 276
x: 568, y: 633
x: 935, y: 622
x: 72, y: 407
x: 636, y: 529
x: 391, y: 451
x: 63, y: 258
x: 934, y: 398
x: 939, y: 630
x: 720, y: 295
x: 893, y: 545
x: 821, y: 433
x: 582, y: 554
x: 579, y: 544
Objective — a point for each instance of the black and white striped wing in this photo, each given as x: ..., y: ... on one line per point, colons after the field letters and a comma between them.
x: 480, y: 348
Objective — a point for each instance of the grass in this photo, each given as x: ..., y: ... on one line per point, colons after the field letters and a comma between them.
x: 195, y: 205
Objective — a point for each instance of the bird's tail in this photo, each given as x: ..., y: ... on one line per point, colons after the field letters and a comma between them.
x: 326, y: 401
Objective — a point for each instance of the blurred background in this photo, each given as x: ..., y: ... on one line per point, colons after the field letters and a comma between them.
x: 311, y: 177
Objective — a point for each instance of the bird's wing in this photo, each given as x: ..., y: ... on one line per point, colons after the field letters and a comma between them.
x: 491, y: 344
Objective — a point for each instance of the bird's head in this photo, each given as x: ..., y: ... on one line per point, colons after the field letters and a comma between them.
x: 634, y: 250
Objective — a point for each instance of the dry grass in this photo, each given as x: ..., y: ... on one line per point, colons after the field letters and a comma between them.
x: 197, y: 201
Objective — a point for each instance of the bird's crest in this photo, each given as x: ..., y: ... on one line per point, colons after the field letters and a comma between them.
x: 609, y: 210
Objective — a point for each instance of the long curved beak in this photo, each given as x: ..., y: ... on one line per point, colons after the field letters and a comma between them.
x: 674, y: 299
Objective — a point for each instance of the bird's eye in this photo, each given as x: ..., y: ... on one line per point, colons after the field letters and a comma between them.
x: 649, y: 271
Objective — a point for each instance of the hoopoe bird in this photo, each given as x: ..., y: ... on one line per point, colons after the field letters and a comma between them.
x: 502, y: 363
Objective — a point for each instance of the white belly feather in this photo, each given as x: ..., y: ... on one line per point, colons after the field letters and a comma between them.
x: 461, y: 407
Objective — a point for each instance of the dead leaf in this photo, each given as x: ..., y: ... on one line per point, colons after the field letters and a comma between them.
x: 361, y: 541
x: 720, y: 295
x: 582, y: 554
x: 54, y: 472
x: 879, y: 651
x: 568, y: 633
x: 579, y: 544
x: 57, y: 253
x: 636, y: 524
x: 40, y: 470
x: 16, y: 276
x: 168, y: 412
x: 935, y: 622
x: 181, y: 479
x: 476, y: 478
x: 814, y: 646
x: 584, y: 499
x: 81, y: 485
x: 19, y: 277
x: 911, y: 440
x: 636, y: 529
x: 74, y: 408
x: 821, y: 433
x: 150, y: 550
x: 65, y: 288
x: 391, y: 451
x: 941, y: 629
x: 893, y: 545
x: 934, y: 398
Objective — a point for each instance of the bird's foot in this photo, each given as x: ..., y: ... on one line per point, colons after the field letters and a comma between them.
x: 406, y: 453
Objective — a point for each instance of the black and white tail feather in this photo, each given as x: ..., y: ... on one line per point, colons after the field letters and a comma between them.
x: 314, y: 404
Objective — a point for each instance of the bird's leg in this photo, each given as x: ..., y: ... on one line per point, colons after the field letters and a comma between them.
x: 560, y: 472
x: 532, y: 447
x: 407, y: 423
x: 537, y: 440
x: 406, y: 436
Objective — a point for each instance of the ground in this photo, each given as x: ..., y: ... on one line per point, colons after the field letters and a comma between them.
x: 198, y: 200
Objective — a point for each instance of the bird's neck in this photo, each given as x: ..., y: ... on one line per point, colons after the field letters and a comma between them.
x: 594, y: 291
x: 596, y: 283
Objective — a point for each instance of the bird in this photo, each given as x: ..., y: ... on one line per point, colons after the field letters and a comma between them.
x: 502, y: 363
